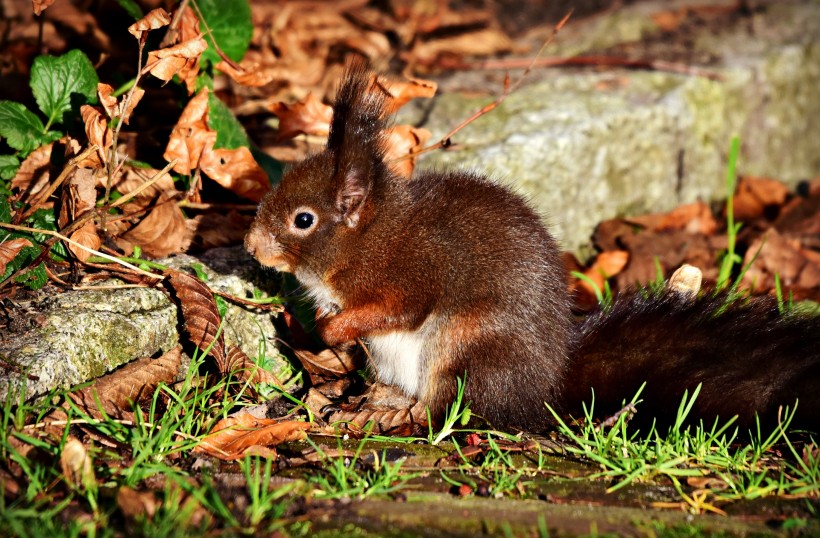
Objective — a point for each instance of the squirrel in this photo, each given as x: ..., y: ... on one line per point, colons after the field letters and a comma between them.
x: 448, y: 274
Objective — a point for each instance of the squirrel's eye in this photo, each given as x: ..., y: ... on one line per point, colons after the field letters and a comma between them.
x: 304, y: 220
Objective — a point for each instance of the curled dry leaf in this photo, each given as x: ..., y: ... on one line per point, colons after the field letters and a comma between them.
x: 754, y: 195
x: 98, y: 133
x: 181, y: 59
x: 233, y: 436
x: 79, y: 196
x: 401, y: 92
x: 608, y: 264
x: 200, y: 314
x: 33, y: 174
x: 237, y: 171
x: 76, y: 464
x: 309, y: 116
x: 9, y: 250
x: 403, y: 140
x: 161, y: 232
x: 247, y: 75
x: 404, y: 421
x: 191, y: 135
x: 40, y: 5
x: 694, y: 218
x: 156, y: 18
x: 113, y: 108
x: 327, y: 362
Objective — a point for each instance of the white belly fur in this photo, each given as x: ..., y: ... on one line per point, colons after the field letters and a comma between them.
x: 398, y: 358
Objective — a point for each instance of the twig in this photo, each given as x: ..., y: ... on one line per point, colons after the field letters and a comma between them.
x: 48, y: 191
x: 446, y: 140
x: 587, y: 61
x: 78, y: 245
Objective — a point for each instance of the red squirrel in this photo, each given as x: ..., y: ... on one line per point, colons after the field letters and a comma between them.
x: 448, y: 274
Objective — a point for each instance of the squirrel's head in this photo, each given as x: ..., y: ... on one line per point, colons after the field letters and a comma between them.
x: 324, y: 201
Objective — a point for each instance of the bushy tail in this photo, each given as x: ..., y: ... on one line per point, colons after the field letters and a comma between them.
x: 748, y: 357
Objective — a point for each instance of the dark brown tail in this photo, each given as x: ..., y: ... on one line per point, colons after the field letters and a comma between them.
x: 749, y: 359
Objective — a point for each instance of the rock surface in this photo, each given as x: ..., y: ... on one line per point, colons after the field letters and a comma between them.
x: 588, y: 145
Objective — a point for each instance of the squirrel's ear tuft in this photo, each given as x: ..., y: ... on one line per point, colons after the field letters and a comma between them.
x: 351, y: 196
x: 358, y: 114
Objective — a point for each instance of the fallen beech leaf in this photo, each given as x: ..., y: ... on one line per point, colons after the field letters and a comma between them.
x: 247, y: 370
x: 401, y: 92
x: 97, y: 132
x: 402, y: 140
x: 9, y: 250
x: 327, y: 362
x: 237, y: 171
x: 86, y: 236
x: 247, y: 75
x: 218, y: 229
x: 482, y: 42
x: 694, y: 218
x: 79, y: 196
x: 113, y: 107
x: 33, y: 174
x: 606, y: 265
x: 40, y: 5
x: 135, y: 503
x: 775, y: 254
x: 181, y: 59
x: 156, y: 18
x: 309, y: 116
x: 190, y: 135
x: 132, y: 383
x: 401, y: 422
x: 161, y: 232
x: 233, y: 436
x: 200, y: 315
x: 754, y: 195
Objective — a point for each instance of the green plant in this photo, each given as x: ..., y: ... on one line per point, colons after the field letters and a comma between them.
x: 457, y: 414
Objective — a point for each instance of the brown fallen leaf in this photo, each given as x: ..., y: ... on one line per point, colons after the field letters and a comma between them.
x: 113, y: 107
x: 200, y: 315
x: 76, y: 464
x: 694, y: 218
x: 99, y: 134
x: 774, y: 254
x: 79, y: 196
x: 309, y: 116
x: 606, y: 265
x: 754, y: 195
x: 41, y: 5
x: 161, y: 232
x: 404, y: 140
x: 402, y: 92
x: 237, y: 171
x: 132, y: 383
x: 9, y: 250
x: 246, y: 73
x: 232, y: 437
x: 156, y: 18
x: 181, y: 59
x: 33, y: 174
x: 246, y: 370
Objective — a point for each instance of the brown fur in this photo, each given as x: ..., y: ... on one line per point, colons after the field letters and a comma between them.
x: 450, y: 274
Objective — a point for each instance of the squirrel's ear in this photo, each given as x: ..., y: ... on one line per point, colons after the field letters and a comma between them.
x: 352, y: 194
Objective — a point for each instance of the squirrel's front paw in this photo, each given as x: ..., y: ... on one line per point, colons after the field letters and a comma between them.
x: 335, y: 331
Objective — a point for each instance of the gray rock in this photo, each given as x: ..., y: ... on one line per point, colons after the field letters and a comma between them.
x: 586, y: 146
x: 81, y: 335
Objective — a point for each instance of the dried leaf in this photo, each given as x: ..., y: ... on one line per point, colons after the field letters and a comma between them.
x: 232, y: 437
x: 161, y: 232
x: 40, y: 5
x: 694, y: 218
x: 249, y: 74
x: 327, y: 362
x: 9, y: 250
x: 754, y: 195
x: 401, y: 92
x: 97, y: 132
x: 113, y: 107
x: 118, y: 391
x: 403, y: 421
x: 191, y: 135
x: 247, y: 370
x: 79, y: 196
x: 237, y: 171
x: 403, y: 140
x: 135, y: 503
x: 156, y: 18
x: 76, y: 464
x: 33, y: 174
x: 483, y: 42
x: 181, y: 59
x: 218, y: 229
x: 309, y: 116
x: 200, y: 314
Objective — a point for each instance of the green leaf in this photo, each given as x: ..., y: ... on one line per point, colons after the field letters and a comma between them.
x: 229, y: 132
x: 21, y: 128
x: 132, y: 8
x: 230, y: 25
x: 9, y: 164
x: 34, y: 278
x: 63, y: 83
x: 5, y: 210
